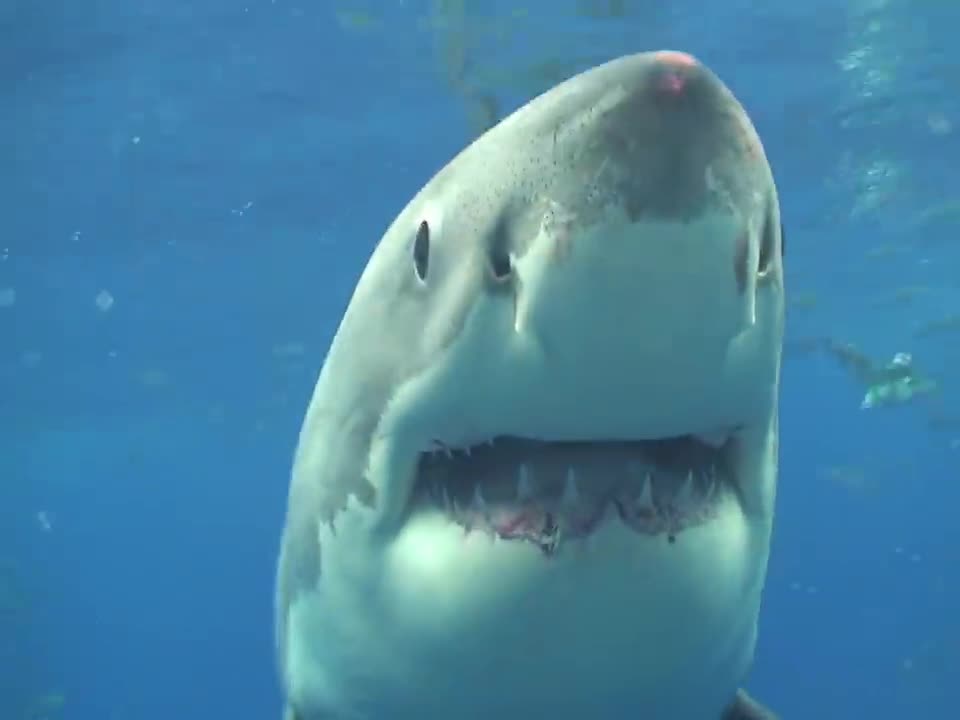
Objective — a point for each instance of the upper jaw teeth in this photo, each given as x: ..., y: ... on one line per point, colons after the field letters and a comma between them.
x: 478, y: 502
x: 571, y: 495
x: 646, y: 494
x: 715, y: 438
x: 640, y: 478
x: 524, y: 488
x: 685, y: 494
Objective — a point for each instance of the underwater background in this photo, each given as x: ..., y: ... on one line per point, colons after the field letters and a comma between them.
x: 188, y: 193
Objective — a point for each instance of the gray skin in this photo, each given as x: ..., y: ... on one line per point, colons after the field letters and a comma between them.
x: 514, y: 313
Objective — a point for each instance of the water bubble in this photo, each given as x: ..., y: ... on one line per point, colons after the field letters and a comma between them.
x: 104, y: 300
x: 44, y: 520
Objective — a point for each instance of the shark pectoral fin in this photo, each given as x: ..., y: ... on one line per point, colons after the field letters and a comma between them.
x: 745, y: 707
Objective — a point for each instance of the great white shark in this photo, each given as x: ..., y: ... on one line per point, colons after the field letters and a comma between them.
x: 537, y: 473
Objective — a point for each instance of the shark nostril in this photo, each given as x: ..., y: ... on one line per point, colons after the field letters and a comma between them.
x: 766, y: 253
x: 741, y: 260
x: 768, y: 246
x: 500, y: 265
x: 499, y: 259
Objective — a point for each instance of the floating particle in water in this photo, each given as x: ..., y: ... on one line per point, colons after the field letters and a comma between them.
x: 47, y: 706
x: 154, y: 377
x: 242, y: 210
x: 8, y: 296
x: 104, y: 300
x: 913, y: 557
x: 288, y: 349
x: 939, y: 124
x: 44, y: 520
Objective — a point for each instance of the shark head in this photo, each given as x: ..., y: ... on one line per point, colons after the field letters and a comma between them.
x: 542, y: 448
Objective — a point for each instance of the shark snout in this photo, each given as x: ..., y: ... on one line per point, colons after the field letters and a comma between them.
x: 677, y: 82
x: 673, y: 71
x: 668, y: 142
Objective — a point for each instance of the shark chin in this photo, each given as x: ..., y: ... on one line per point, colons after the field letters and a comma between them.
x: 569, y: 578
x: 538, y: 471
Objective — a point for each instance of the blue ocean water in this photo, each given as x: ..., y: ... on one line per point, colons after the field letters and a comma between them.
x: 189, y: 192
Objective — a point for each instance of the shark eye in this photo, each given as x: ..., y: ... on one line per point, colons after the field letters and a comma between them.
x: 421, y: 251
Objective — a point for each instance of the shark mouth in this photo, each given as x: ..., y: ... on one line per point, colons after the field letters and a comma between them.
x: 546, y: 493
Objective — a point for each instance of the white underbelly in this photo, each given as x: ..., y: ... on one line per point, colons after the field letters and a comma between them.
x: 436, y: 624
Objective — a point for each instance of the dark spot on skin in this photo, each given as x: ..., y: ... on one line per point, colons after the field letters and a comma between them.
x: 421, y: 251
x: 671, y: 539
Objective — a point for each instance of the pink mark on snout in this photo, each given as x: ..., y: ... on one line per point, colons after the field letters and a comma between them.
x: 672, y: 83
x: 676, y: 58
x: 677, y: 66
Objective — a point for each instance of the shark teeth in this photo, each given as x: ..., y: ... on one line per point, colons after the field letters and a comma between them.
x: 511, y: 492
x: 713, y: 489
x: 524, y: 486
x: 715, y: 439
x: 684, y: 495
x: 478, y: 503
x: 645, y: 498
x: 571, y: 495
